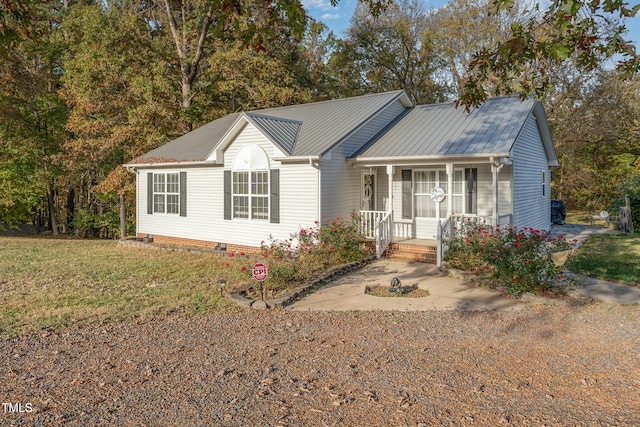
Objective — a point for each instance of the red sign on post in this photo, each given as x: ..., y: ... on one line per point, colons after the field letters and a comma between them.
x: 260, y: 272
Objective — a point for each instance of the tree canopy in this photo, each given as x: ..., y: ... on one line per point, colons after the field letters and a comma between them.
x: 587, y: 32
x: 87, y: 85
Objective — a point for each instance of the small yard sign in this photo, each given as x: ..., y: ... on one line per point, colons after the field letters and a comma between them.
x: 260, y: 272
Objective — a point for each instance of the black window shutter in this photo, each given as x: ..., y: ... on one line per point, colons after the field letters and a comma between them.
x: 150, y: 193
x: 471, y: 176
x: 406, y: 193
x: 183, y: 194
x: 227, y: 194
x: 275, y: 196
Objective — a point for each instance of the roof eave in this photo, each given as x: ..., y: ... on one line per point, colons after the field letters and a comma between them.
x: 545, y: 133
x: 424, y: 158
x: 131, y: 167
x: 297, y: 159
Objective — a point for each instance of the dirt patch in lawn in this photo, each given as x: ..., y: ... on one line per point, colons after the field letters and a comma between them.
x: 405, y: 292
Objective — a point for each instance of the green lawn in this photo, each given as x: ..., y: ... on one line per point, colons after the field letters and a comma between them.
x: 579, y: 217
x: 612, y: 257
x: 54, y: 283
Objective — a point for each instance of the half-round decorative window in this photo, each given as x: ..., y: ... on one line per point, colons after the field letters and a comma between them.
x: 250, y: 183
x: 250, y: 157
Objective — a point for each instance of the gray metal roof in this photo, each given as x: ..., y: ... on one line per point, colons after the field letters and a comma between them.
x: 282, y: 131
x: 442, y: 129
x: 193, y: 146
x: 301, y: 130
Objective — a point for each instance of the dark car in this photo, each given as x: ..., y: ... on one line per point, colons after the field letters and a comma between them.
x: 558, y: 212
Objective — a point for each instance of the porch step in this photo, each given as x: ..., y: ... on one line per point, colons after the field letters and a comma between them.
x: 411, y: 252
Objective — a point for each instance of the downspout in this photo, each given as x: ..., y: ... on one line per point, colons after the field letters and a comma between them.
x: 501, y: 162
x: 318, y: 187
x: 497, y: 217
x: 449, y: 169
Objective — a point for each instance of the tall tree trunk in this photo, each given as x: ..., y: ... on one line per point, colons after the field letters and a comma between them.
x: 71, y: 205
x: 189, y: 62
x: 52, y: 211
x: 123, y: 218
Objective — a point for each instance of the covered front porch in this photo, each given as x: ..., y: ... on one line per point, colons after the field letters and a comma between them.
x: 415, y: 205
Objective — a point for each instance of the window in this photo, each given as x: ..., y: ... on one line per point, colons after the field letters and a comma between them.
x: 251, y: 187
x: 425, y: 182
x: 166, y: 193
x: 458, y: 192
x: 250, y: 195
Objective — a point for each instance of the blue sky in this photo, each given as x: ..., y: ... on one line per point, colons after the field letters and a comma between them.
x: 337, y: 18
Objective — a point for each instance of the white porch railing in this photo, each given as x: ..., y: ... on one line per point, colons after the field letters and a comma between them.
x: 369, y: 221
x: 383, y: 234
x: 377, y: 225
x: 445, y: 229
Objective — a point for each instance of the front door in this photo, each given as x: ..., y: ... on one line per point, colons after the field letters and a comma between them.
x: 368, y: 190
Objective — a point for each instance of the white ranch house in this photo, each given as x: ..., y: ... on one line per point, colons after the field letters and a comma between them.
x: 411, y: 171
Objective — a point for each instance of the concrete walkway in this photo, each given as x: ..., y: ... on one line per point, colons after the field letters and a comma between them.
x: 445, y: 292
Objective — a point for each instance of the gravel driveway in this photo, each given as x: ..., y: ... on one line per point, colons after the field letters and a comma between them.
x: 538, y: 366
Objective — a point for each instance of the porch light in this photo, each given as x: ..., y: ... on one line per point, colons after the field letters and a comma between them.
x: 505, y: 161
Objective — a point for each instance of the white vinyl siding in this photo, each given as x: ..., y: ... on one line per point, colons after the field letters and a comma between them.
x: 531, y: 207
x: 298, y: 201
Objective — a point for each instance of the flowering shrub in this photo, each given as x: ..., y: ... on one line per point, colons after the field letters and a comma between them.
x: 310, y: 250
x: 519, y: 259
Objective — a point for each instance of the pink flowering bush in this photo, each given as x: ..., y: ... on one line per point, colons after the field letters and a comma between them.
x: 520, y: 259
x: 310, y: 250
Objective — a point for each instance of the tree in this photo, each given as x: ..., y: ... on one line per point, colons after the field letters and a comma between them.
x: 462, y: 28
x: 588, y: 32
x: 597, y: 136
x: 317, y: 46
x: 195, y: 25
x: 128, y: 89
x: 33, y: 116
x: 388, y: 52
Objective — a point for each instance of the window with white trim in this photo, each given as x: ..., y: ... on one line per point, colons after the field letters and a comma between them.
x: 250, y: 194
x: 424, y: 183
x: 166, y: 193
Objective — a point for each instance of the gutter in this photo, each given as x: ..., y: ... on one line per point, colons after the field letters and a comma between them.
x: 297, y: 159
x: 132, y: 167
x: 396, y: 160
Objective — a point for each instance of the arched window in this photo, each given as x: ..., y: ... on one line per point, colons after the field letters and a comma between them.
x: 250, y: 184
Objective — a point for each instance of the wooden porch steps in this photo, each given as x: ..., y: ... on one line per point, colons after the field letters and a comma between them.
x: 406, y: 251
x: 411, y: 252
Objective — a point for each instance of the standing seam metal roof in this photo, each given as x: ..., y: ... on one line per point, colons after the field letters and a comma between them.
x: 282, y: 131
x: 301, y: 130
x: 442, y: 129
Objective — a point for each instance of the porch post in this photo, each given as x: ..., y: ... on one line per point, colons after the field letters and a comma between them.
x: 449, y: 189
x: 390, y: 199
x: 495, y: 171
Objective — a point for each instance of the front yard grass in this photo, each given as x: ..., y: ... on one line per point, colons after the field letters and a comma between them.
x: 611, y: 257
x: 56, y: 283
